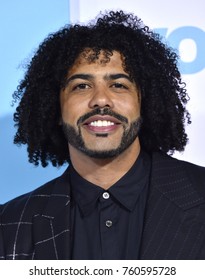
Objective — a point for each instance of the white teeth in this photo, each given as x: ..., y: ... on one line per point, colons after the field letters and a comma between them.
x: 102, y: 123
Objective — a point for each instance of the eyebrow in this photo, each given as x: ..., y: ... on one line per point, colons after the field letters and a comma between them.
x: 107, y: 77
x: 117, y: 76
x: 79, y: 76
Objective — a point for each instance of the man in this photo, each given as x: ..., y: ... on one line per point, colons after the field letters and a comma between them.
x: 108, y: 99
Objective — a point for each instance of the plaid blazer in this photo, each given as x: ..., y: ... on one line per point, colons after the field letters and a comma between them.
x: 37, y: 225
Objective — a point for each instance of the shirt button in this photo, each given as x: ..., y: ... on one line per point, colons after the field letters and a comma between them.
x: 108, y: 223
x: 106, y: 195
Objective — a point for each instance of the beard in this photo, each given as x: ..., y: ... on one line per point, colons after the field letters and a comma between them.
x: 75, y: 138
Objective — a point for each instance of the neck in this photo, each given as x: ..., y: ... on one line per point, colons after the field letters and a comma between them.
x: 104, y: 172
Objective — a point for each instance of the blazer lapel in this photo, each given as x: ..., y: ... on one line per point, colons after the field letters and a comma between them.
x: 51, y: 228
x: 174, y: 227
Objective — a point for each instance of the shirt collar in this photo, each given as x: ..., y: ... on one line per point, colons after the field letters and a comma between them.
x: 128, y: 189
x: 125, y: 191
x: 84, y: 192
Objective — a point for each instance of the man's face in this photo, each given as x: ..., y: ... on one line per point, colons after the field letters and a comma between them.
x: 100, y: 107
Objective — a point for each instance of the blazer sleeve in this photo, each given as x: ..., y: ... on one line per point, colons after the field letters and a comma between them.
x: 2, y: 255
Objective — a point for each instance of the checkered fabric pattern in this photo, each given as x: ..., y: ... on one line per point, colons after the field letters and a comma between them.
x: 28, y: 223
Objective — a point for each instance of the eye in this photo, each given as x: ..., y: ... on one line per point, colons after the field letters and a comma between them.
x: 81, y: 86
x: 119, y: 86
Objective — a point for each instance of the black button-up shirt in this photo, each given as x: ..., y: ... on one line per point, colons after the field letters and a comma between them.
x: 107, y: 224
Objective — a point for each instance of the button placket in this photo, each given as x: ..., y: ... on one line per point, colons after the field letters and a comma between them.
x: 108, y: 212
x: 108, y: 222
x: 108, y: 217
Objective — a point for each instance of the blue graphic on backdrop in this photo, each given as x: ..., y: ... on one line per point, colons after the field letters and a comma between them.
x: 182, y: 33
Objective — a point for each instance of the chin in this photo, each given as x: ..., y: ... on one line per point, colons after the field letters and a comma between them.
x: 102, y: 153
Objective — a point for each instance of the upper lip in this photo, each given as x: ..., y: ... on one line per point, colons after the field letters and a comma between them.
x: 101, y: 118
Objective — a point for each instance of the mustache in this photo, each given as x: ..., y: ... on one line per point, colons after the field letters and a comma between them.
x: 102, y: 112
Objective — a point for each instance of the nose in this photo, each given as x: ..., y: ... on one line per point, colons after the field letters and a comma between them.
x: 101, y: 98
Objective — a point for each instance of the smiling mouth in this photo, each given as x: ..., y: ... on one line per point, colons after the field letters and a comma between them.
x: 101, y: 124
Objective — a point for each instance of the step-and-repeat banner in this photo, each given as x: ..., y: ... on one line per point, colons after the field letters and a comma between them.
x: 24, y: 24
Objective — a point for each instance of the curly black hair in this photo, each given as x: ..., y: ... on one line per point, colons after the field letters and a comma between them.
x: 149, y: 61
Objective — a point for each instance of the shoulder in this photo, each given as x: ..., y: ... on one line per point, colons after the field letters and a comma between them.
x: 171, y: 166
x: 38, y: 197
x: 167, y: 161
x: 31, y: 203
x: 28, y: 201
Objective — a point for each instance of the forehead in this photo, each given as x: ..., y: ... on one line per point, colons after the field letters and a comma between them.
x: 91, y: 59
